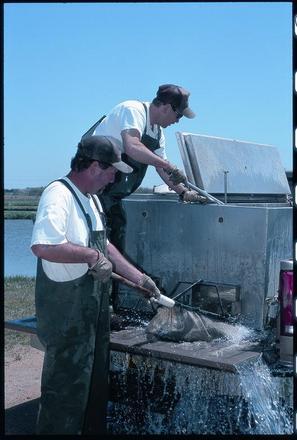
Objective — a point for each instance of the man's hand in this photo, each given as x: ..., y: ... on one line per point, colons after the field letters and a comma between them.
x: 176, y: 176
x: 193, y: 196
x: 102, y: 269
x: 149, y: 284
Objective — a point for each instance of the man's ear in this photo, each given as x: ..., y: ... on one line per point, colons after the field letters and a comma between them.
x: 93, y: 167
x: 165, y: 108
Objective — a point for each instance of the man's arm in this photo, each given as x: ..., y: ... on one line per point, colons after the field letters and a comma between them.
x: 72, y: 253
x: 135, y: 149
x: 121, y: 266
x: 187, y: 194
x: 179, y: 189
x: 100, y: 266
x: 65, y: 253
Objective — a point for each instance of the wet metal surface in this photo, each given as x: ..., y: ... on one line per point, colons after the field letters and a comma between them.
x: 211, y: 356
x: 230, y: 244
x: 134, y: 340
x: 124, y: 340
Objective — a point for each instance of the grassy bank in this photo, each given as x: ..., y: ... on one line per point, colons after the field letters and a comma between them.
x: 18, y: 303
x: 19, y: 215
x: 20, y: 206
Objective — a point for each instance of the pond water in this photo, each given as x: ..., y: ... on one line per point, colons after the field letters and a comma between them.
x: 18, y: 258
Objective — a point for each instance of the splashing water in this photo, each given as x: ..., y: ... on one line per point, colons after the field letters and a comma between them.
x: 177, y: 324
x: 267, y: 410
x: 164, y: 397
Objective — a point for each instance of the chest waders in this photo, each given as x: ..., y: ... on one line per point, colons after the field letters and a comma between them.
x: 73, y: 325
x: 123, y: 186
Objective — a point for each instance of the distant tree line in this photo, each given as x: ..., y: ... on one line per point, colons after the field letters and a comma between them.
x: 38, y: 190
x: 24, y: 191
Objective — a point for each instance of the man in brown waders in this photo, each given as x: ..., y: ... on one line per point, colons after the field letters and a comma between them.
x: 138, y: 126
x: 75, y: 262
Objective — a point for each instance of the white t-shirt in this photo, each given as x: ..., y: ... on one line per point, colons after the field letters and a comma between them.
x: 59, y: 219
x: 127, y: 115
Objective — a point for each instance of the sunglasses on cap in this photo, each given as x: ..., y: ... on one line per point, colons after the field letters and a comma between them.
x: 178, y: 114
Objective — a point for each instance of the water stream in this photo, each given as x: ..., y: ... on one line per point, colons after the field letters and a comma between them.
x: 267, y: 409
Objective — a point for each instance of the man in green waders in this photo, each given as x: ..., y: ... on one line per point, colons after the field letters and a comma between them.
x: 138, y: 126
x: 75, y: 262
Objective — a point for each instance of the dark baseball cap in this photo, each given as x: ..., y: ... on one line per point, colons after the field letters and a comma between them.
x: 104, y: 149
x: 176, y: 96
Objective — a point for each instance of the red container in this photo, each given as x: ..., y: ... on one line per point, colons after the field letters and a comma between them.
x: 286, y: 297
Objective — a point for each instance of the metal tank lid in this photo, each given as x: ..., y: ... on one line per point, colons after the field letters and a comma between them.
x: 246, y: 167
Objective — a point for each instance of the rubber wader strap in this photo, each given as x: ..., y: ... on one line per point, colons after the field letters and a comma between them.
x: 91, y: 130
x: 146, y: 119
x: 88, y: 218
x: 101, y: 213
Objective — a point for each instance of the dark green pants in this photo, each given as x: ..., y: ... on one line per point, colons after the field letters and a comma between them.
x: 116, y: 230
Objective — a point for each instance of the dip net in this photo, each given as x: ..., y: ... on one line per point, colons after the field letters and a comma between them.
x: 178, y: 324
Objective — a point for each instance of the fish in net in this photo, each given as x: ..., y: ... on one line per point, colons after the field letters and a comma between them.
x: 177, y: 324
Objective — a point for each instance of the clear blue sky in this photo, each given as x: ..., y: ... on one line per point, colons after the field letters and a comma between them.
x: 66, y: 64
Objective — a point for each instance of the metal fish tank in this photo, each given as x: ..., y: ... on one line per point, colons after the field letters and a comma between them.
x: 222, y: 260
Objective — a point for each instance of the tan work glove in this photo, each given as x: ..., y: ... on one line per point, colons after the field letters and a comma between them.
x: 149, y: 284
x: 193, y: 196
x: 102, y: 269
x: 177, y: 176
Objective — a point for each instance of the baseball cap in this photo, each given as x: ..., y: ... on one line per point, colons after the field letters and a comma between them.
x: 176, y: 96
x: 104, y: 149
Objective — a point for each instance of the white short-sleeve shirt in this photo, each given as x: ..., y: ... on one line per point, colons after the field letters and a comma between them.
x: 128, y: 115
x: 59, y: 219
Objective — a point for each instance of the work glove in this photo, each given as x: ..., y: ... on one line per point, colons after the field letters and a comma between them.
x: 102, y: 269
x: 176, y: 176
x: 193, y: 196
x: 149, y: 284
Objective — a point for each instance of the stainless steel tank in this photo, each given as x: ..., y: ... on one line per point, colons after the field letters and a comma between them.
x: 241, y: 242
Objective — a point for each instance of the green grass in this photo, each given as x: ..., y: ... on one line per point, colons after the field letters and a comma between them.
x: 21, y: 207
x: 18, y: 303
x: 10, y: 204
